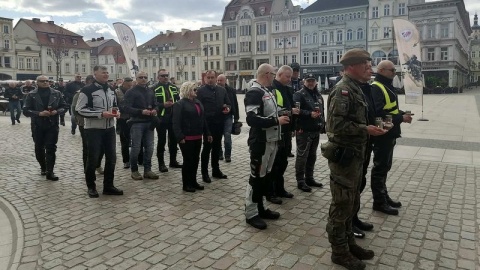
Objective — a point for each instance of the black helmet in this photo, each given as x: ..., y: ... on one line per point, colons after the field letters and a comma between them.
x: 295, y: 66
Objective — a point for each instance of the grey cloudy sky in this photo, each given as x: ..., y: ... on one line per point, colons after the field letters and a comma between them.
x: 147, y: 18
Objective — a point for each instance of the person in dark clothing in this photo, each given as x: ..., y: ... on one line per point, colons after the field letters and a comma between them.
x: 189, y: 125
x: 386, y: 103
x: 70, y: 89
x: 295, y: 85
x: 309, y: 126
x: 60, y: 87
x: 44, y: 105
x: 217, y: 105
x: 139, y: 103
x: 14, y: 94
x: 122, y: 121
x: 230, y: 118
x: 281, y: 91
x: 95, y: 103
x: 166, y: 94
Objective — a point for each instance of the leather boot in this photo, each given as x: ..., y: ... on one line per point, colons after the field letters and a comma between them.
x: 161, y: 164
x: 392, y: 203
x: 385, y: 208
x: 361, y: 253
x: 347, y: 260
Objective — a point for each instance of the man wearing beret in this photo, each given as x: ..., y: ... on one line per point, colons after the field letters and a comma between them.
x: 348, y: 131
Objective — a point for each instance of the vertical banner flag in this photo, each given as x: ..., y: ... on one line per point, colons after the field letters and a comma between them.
x: 409, y: 53
x: 127, y: 40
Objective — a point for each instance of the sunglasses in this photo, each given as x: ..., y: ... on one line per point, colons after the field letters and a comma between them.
x: 142, y: 77
x: 391, y: 69
x: 43, y: 81
x: 164, y: 75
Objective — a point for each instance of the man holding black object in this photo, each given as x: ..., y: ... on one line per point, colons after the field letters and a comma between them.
x: 348, y: 132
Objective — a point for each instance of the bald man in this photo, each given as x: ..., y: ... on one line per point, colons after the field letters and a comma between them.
x: 386, y: 103
x: 230, y: 118
x: 262, y: 117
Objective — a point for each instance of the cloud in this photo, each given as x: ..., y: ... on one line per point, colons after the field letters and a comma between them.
x: 92, y: 30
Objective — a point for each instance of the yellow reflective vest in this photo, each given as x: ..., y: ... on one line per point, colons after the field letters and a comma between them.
x: 160, y: 92
x: 279, y: 97
x: 390, y: 107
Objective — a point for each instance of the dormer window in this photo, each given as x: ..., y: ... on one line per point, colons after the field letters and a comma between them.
x: 52, y: 39
x: 63, y: 41
x: 75, y: 42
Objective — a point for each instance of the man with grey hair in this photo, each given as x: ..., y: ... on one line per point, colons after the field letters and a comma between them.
x: 262, y: 117
x: 96, y: 102
x: 44, y: 105
x: 230, y: 118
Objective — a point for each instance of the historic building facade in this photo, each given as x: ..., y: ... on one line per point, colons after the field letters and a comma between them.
x: 8, y: 67
x: 329, y: 28
x: 108, y: 52
x: 257, y: 32
x: 444, y: 28
x: 474, y: 62
x: 211, y: 45
x: 50, y: 50
x: 177, y: 52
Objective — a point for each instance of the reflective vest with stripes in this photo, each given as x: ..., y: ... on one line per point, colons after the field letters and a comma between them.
x: 279, y: 97
x: 390, y: 107
x: 161, y: 93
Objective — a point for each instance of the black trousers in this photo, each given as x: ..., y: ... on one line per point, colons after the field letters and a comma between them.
x: 45, y: 138
x: 84, y: 146
x: 279, y: 167
x: 307, y: 145
x: 162, y: 141
x: 287, y: 139
x: 191, y: 158
x: 96, y: 140
x: 382, y: 163
x: 363, y: 184
x: 214, y: 147
x: 124, y: 139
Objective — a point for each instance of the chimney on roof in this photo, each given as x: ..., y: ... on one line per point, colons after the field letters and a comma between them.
x: 185, y: 31
x: 102, y: 38
x: 169, y: 32
x: 161, y: 32
x: 98, y: 39
x: 36, y: 20
x: 93, y: 39
x: 51, y: 22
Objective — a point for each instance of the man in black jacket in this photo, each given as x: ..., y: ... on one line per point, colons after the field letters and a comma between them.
x: 310, y: 123
x: 60, y: 86
x: 70, y: 89
x: 44, y: 105
x: 386, y: 103
x: 217, y: 105
x: 14, y: 94
x: 283, y: 95
x: 139, y: 103
x: 230, y: 118
x: 166, y: 95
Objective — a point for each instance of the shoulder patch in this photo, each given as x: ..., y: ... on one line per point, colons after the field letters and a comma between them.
x: 345, y: 93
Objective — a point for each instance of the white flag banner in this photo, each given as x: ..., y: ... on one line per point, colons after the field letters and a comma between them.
x: 127, y: 40
x: 409, y: 52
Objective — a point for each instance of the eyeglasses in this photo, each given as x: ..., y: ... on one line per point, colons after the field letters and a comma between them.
x: 163, y: 75
x: 391, y: 69
x: 142, y: 77
x: 42, y: 81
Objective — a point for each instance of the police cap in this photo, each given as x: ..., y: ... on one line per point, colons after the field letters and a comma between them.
x: 309, y: 77
x: 128, y: 79
x: 355, y: 56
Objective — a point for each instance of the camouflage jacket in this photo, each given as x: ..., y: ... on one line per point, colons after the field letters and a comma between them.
x: 347, y: 115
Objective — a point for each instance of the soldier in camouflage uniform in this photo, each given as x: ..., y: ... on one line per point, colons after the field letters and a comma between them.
x: 348, y: 133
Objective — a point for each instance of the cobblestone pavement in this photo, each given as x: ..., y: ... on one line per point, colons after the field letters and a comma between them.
x: 157, y: 226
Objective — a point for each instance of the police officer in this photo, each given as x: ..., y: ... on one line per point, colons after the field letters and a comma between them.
x: 166, y: 94
x: 263, y: 118
x: 282, y: 92
x: 44, y: 105
x: 310, y: 123
x: 386, y: 103
x: 348, y: 133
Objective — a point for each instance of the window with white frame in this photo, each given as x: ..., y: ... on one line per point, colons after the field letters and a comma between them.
x: 431, y: 54
x: 315, y: 38
x: 6, y: 44
x: 193, y: 76
x: 185, y: 74
x: 67, y: 67
x: 294, y: 24
x: 154, y: 62
x: 339, y: 55
x: 193, y: 60
x: 444, y: 53
x: 276, y: 27
x: 294, y: 58
x: 293, y: 40
x: 21, y: 62
x: 444, y: 30
x: 49, y: 66
x: 374, y: 33
x: 232, y: 48
x: 6, y: 29
x: 306, y: 58
x: 277, y: 61
x: 261, y: 29
x: 262, y: 46
x: 315, y: 58
x: 386, y: 10
x: 245, y: 30
x: 29, y: 63
x: 339, y: 36
x: 305, y: 38
x: 84, y: 68
x: 324, y: 37
x: 36, y: 64
x: 349, y: 34
x: 324, y: 57
x: 402, y: 9
x: 374, y: 12
x: 231, y: 32
x: 245, y: 46
x: 360, y: 34
x: 431, y: 31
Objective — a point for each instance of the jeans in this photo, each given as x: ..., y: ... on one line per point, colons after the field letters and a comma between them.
x: 227, y: 137
x: 307, y: 144
x: 191, y: 158
x: 214, y: 148
x: 96, y: 140
x: 45, y: 138
x: 12, y: 106
x: 140, y: 133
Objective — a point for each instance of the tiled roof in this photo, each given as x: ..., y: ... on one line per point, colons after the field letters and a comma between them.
x: 322, y: 5
x: 114, y: 50
x: 96, y: 43
x: 189, y: 40
x: 45, y: 31
x: 235, y: 5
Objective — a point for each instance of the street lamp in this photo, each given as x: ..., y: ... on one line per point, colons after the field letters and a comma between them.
x: 75, y: 57
x: 206, y: 48
x: 283, y: 43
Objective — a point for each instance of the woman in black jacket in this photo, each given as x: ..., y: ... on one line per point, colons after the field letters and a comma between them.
x: 189, y: 126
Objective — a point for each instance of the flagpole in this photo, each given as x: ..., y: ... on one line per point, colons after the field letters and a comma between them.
x: 421, y: 118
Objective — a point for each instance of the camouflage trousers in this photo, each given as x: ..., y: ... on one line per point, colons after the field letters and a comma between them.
x: 345, y: 188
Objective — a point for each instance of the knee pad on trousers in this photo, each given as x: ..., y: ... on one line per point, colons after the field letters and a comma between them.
x: 257, y: 188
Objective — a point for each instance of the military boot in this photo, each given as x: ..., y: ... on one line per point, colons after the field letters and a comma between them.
x: 347, y: 260
x: 161, y: 164
x: 361, y: 253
